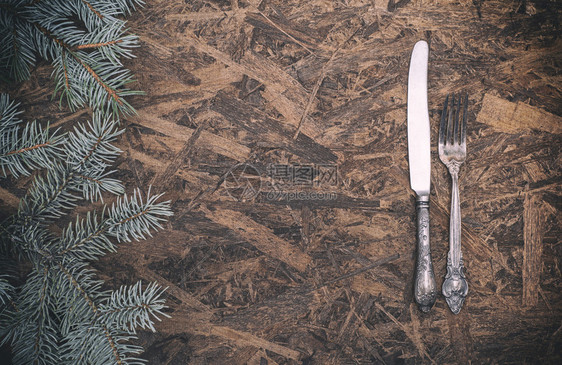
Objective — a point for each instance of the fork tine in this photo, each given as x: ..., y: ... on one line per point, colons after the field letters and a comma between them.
x: 464, y: 118
x: 456, y: 122
x: 450, y: 121
x: 442, y: 126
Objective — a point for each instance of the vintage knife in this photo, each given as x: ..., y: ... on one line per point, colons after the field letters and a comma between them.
x: 420, y: 170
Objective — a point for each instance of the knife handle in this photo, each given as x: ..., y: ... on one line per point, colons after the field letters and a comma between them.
x: 425, y: 291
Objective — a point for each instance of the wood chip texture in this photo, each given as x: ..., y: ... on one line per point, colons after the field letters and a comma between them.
x: 323, y: 273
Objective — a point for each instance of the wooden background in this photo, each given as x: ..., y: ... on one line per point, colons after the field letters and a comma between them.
x: 323, y: 82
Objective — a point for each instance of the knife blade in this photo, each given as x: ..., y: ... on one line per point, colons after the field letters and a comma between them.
x: 418, y: 121
x: 419, y: 160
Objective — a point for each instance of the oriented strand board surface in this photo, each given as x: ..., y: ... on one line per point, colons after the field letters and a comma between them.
x: 327, y: 278
x: 512, y: 117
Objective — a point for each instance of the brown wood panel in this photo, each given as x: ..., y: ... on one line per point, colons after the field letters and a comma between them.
x: 321, y: 271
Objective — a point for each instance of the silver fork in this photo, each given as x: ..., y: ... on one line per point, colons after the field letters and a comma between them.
x: 452, y: 152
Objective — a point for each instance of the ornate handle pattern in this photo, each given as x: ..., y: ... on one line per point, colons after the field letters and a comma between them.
x: 424, y: 285
x: 455, y: 287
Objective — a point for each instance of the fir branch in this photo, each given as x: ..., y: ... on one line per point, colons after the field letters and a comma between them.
x: 87, y: 155
x: 28, y: 240
x: 100, y: 325
x: 84, y: 346
x: 93, y: 14
x: 50, y: 29
x: 86, y: 239
x: 22, y: 151
x: 65, y: 71
x: 49, y: 198
x: 128, y: 6
x: 32, y: 332
x: 113, y: 42
x: 90, y: 152
x: 113, y: 346
x: 112, y: 93
x: 127, y: 218
x: 103, y: 87
x: 94, y: 185
x: 43, y: 314
x: 76, y: 292
x: 80, y: 309
x: 8, y: 113
x: 36, y: 343
x: 92, y: 146
x: 16, y: 42
x: 58, y: 9
x: 79, y: 279
x: 68, y: 85
x: 61, y: 314
x: 50, y: 35
x: 6, y: 290
x: 130, y: 307
x: 33, y: 295
x: 30, y: 149
x: 98, y: 45
x: 97, y: 13
x: 131, y: 218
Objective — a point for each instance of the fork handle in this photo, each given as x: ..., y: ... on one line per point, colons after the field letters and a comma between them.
x: 424, y: 284
x: 455, y: 287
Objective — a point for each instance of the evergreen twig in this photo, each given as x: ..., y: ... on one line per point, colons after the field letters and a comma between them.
x: 85, y: 42
x: 61, y: 314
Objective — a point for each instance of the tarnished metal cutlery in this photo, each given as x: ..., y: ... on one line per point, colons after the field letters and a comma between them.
x: 452, y: 152
x: 419, y: 158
